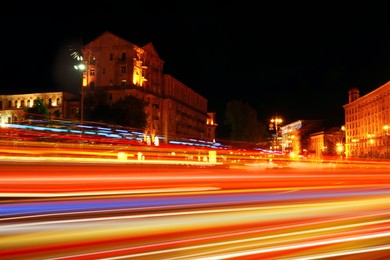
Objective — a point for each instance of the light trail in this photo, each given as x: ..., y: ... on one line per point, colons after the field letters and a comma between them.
x: 119, y: 210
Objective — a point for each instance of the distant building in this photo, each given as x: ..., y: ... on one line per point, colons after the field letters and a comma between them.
x: 123, y: 68
x: 12, y: 106
x: 367, y: 122
x: 328, y: 143
x: 296, y: 136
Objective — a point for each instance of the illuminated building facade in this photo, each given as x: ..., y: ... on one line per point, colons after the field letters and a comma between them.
x: 296, y: 136
x: 211, y: 126
x: 123, y: 68
x: 60, y: 103
x: 328, y: 144
x: 367, y: 121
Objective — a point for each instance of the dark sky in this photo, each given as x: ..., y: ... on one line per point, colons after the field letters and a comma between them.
x: 296, y: 61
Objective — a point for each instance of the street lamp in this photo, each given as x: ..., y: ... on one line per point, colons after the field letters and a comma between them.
x: 81, y: 67
x: 386, y: 128
x: 274, y: 124
x: 340, y: 149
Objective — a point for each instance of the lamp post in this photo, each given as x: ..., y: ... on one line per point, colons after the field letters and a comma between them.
x: 81, y: 67
x: 275, y: 121
x: 339, y: 150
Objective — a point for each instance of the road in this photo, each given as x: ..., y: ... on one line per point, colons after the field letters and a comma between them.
x: 104, y: 210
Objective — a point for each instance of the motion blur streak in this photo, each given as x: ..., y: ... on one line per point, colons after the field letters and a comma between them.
x: 120, y: 211
x: 121, y: 192
x: 343, y: 253
x: 69, y: 232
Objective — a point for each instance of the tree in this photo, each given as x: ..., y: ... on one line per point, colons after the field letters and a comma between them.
x: 57, y: 113
x: 38, y: 110
x: 129, y: 111
x: 243, y: 122
x: 97, y: 106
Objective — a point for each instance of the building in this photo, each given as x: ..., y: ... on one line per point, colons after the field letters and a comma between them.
x: 12, y: 106
x: 328, y: 144
x: 296, y: 136
x: 211, y: 126
x: 123, y: 68
x: 367, y: 122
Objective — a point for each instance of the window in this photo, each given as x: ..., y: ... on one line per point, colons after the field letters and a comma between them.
x: 92, y: 72
x: 123, y: 56
x: 123, y: 70
x: 92, y: 60
x: 111, y: 56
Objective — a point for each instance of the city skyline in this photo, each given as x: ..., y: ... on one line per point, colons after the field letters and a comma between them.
x: 286, y: 62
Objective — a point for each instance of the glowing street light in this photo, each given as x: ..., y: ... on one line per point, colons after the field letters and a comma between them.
x: 371, y: 142
x: 81, y: 67
x: 340, y: 149
x: 386, y: 128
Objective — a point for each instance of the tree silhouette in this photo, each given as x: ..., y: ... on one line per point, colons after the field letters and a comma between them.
x: 243, y: 122
x: 37, y: 111
x: 129, y: 111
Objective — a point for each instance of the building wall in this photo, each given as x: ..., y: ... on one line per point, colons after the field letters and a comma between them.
x: 317, y: 144
x: 187, y: 110
x: 328, y: 144
x: 122, y: 68
x: 111, y: 61
x: 367, y: 121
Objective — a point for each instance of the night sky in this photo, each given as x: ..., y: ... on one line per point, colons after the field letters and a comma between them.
x: 295, y: 61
